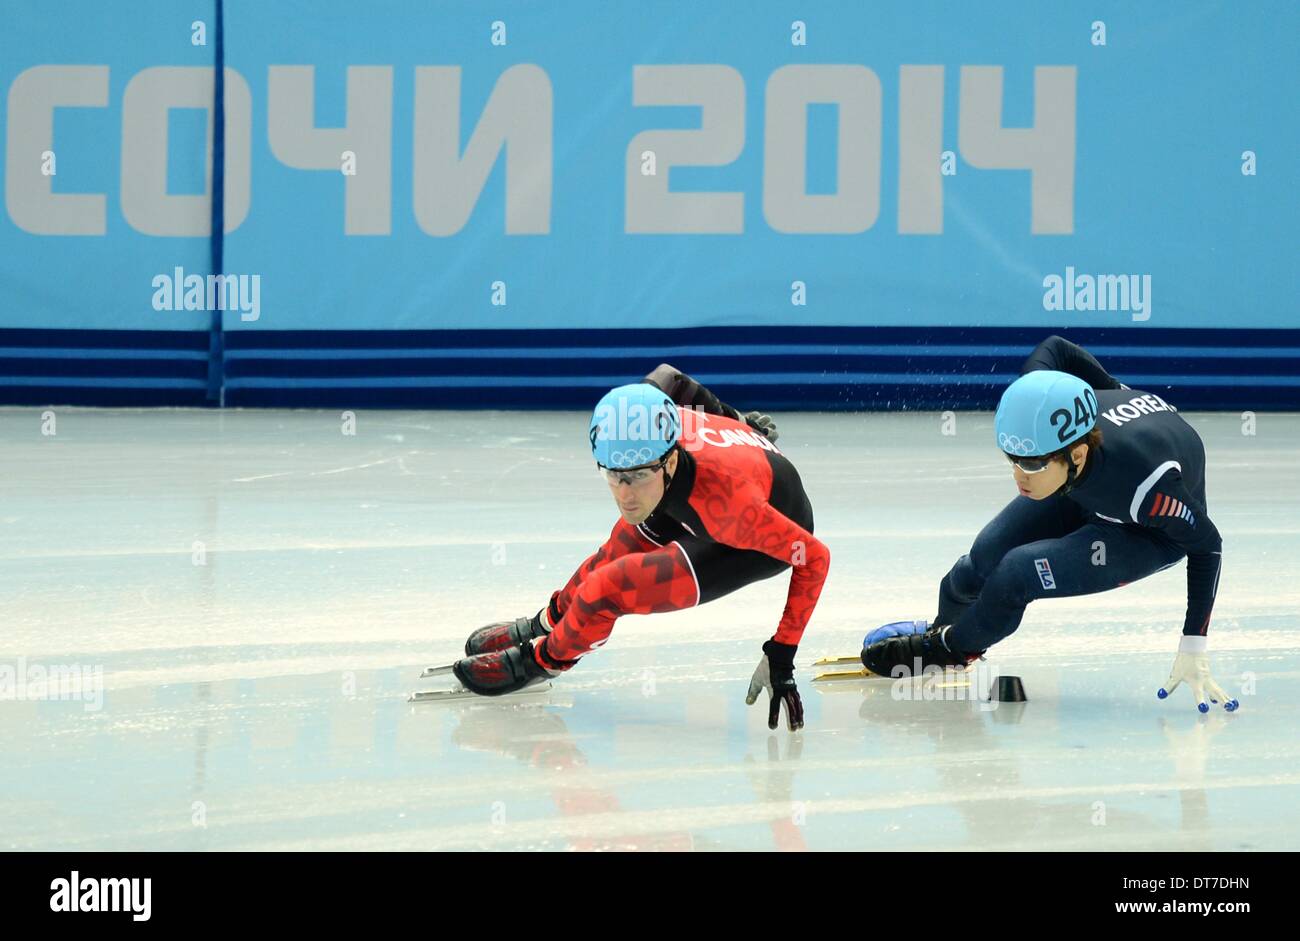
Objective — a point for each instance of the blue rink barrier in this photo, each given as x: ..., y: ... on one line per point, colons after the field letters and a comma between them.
x: 433, y: 205
x: 817, y: 368
x: 831, y: 368
x: 104, y: 367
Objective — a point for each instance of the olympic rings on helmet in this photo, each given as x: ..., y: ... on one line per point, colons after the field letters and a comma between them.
x: 631, y: 457
x: 1014, y: 444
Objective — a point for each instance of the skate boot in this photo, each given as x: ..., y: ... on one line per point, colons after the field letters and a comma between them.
x: 509, y: 670
x: 907, y: 652
x: 504, y: 634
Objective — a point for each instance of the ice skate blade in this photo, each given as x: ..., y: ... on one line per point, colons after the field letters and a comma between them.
x: 861, y: 673
x: 953, y: 676
x: 832, y: 661
x: 437, y: 671
x: 450, y: 695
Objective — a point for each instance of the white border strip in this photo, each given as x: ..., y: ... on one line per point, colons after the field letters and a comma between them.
x: 640, y: 527
x: 691, y: 566
x: 1145, y: 487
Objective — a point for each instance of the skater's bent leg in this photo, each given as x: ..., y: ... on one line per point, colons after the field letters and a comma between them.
x: 680, y: 574
x: 1021, y: 521
x: 623, y: 540
x: 1091, y: 559
x: 958, y: 591
x: 635, y: 583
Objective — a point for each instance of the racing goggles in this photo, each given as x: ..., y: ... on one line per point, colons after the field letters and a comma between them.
x: 1030, y: 465
x: 632, y: 476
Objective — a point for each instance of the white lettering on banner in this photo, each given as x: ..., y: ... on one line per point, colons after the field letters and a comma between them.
x: 29, y: 196
x: 719, y: 92
x: 920, y: 149
x: 853, y: 207
x: 518, y: 120
x: 147, y: 102
x: 1046, y: 149
x: 368, y: 134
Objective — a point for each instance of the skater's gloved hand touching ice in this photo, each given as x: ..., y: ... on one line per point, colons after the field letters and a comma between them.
x: 775, y: 673
x: 1193, y: 665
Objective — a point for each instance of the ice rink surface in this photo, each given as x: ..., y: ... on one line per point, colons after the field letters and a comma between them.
x: 251, y: 596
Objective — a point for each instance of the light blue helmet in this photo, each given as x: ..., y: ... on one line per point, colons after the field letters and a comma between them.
x: 1044, y: 411
x: 634, y: 425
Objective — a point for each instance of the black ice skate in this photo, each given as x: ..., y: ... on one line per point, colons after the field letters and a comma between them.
x: 507, y: 671
x: 506, y: 634
x: 911, y: 653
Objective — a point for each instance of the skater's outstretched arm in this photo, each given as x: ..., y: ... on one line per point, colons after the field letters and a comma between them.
x: 1170, y: 508
x: 688, y: 393
x: 761, y: 527
x: 1181, y: 518
x: 737, y: 513
x: 1061, y: 355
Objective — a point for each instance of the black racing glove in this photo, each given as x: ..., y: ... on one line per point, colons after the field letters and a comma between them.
x: 775, y: 673
x: 761, y: 423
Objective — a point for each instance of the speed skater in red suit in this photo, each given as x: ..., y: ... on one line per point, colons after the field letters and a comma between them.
x: 707, y: 504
